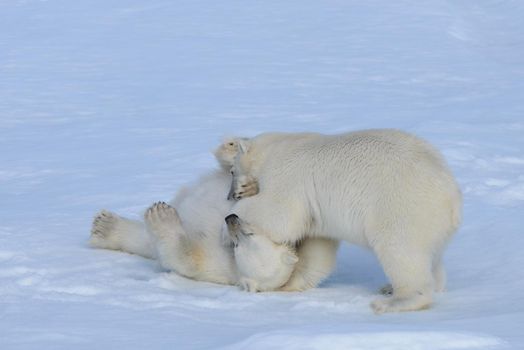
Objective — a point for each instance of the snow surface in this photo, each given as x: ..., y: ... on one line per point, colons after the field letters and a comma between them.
x: 115, y: 104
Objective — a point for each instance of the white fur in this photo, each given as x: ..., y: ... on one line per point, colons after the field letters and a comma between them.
x: 185, y: 237
x: 110, y: 231
x: 317, y: 259
x: 261, y: 263
x: 383, y: 189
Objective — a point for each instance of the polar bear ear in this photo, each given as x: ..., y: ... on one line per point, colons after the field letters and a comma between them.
x: 243, y: 145
x: 289, y: 258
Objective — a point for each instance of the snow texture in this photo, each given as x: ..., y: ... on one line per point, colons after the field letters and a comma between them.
x: 116, y: 104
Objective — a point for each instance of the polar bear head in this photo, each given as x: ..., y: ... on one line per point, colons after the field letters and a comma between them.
x: 262, y: 264
x: 227, y: 151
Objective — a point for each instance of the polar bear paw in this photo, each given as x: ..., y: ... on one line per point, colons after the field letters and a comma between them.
x: 381, y: 306
x: 161, y: 219
x: 104, y: 230
x: 244, y: 186
x: 395, y: 304
x: 386, y: 290
x: 248, y: 285
x: 298, y: 282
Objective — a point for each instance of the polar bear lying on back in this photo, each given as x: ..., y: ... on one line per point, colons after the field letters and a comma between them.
x: 382, y: 189
x: 185, y: 237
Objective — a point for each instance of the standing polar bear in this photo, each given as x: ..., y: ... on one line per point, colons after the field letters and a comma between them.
x: 383, y: 189
x: 185, y: 236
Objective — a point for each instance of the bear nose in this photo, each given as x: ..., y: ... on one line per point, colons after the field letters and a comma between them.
x: 233, y: 227
x: 232, y: 219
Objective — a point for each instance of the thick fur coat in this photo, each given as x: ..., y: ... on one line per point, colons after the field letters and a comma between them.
x: 185, y: 237
x: 386, y: 190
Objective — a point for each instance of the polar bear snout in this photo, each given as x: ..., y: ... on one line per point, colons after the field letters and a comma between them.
x: 233, y: 227
x: 233, y: 221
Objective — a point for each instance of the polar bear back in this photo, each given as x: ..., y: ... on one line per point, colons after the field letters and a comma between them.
x: 350, y: 185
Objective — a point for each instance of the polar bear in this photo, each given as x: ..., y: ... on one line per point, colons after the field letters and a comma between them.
x: 385, y: 190
x: 185, y: 236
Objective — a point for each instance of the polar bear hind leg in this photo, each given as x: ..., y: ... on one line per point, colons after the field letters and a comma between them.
x: 410, y: 273
x: 439, y: 279
x: 111, y: 231
x: 439, y: 274
x: 174, y: 250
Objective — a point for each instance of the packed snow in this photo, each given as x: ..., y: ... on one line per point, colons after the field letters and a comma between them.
x: 116, y: 104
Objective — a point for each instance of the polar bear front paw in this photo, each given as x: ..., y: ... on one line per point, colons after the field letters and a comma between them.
x: 248, y: 285
x: 297, y: 283
x: 245, y: 186
x: 161, y: 218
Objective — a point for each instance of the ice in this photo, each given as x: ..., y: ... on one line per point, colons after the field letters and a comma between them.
x: 363, y: 341
x: 117, y: 104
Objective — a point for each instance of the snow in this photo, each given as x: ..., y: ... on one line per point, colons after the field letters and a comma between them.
x: 116, y: 104
x: 386, y: 340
